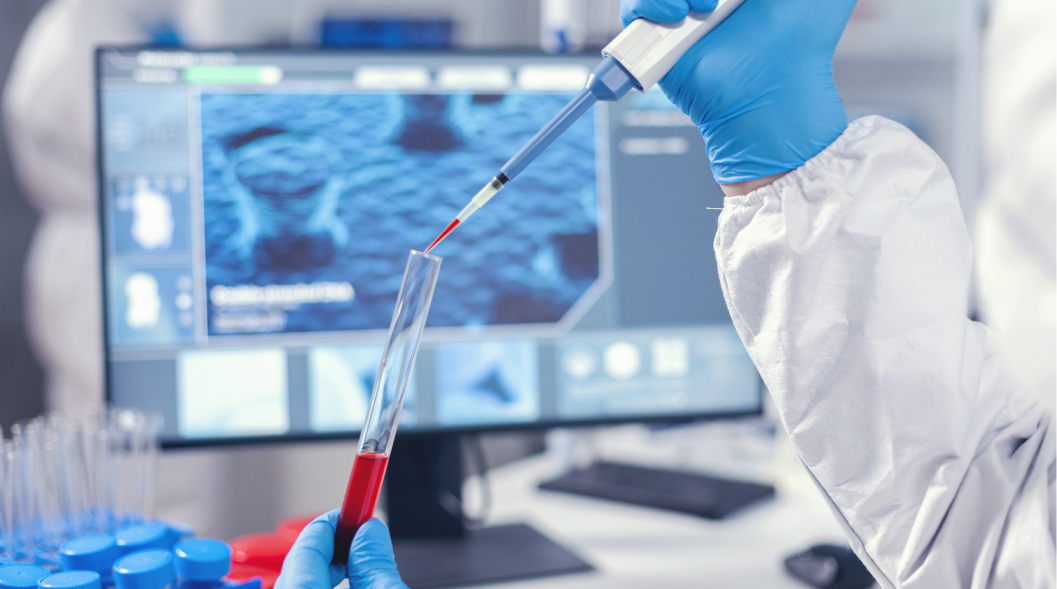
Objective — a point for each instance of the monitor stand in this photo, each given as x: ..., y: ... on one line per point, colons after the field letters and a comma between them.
x: 433, y: 547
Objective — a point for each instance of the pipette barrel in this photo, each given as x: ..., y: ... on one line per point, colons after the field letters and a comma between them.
x: 387, y: 398
x: 543, y: 138
x: 607, y: 82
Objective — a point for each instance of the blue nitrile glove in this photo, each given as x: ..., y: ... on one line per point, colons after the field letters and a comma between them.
x: 371, y: 561
x: 760, y: 86
x: 309, y: 564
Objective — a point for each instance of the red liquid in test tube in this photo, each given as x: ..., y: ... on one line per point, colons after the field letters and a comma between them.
x: 365, y: 482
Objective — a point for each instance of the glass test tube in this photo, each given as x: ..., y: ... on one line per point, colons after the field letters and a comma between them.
x: 387, y: 398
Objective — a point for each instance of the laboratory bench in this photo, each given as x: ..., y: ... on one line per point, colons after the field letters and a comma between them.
x: 634, y: 547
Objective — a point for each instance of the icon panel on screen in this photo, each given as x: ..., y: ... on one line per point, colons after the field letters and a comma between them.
x: 151, y: 214
x: 152, y: 305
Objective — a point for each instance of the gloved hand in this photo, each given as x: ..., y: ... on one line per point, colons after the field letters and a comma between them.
x: 309, y: 564
x: 371, y: 561
x: 759, y: 87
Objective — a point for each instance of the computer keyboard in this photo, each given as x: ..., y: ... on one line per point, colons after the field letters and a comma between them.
x: 696, y: 494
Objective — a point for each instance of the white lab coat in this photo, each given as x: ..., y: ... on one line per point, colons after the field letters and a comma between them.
x: 848, y: 281
x: 49, y: 115
x: 49, y: 110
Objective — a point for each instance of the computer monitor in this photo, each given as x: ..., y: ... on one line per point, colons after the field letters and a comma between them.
x: 258, y: 206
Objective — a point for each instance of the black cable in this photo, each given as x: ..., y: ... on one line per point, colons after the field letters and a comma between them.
x: 453, y: 503
x: 481, y: 467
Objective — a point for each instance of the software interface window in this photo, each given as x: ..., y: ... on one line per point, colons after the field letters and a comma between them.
x: 258, y: 209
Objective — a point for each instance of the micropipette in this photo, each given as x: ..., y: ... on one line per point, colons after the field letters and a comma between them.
x: 637, y: 58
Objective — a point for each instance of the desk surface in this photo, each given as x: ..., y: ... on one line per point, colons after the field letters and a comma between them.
x: 634, y: 547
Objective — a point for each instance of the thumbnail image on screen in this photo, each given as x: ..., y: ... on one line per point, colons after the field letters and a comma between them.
x: 341, y: 379
x: 312, y: 201
x: 487, y: 382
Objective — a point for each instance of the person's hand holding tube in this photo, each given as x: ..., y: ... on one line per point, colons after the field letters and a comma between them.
x: 309, y: 564
x: 760, y: 86
x: 371, y: 561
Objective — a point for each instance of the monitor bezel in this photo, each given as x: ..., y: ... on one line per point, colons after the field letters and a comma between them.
x: 298, y: 437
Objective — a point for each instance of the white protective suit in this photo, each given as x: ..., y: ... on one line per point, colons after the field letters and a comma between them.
x: 931, y: 436
x: 847, y: 279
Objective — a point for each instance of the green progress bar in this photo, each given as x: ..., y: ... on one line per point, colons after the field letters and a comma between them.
x: 233, y: 74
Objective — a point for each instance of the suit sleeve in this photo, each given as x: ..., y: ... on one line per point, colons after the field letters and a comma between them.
x: 848, y: 282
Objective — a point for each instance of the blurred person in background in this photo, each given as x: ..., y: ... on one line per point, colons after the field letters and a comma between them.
x: 49, y: 115
x: 49, y: 111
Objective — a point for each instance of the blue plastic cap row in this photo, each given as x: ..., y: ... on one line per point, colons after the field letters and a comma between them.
x: 97, y: 552
x: 71, y: 580
x: 21, y: 576
x: 94, y: 552
x: 146, y: 569
x: 202, y: 559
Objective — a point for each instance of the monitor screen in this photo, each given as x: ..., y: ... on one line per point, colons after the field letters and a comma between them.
x: 258, y: 207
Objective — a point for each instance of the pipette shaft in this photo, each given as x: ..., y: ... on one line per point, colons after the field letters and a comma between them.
x: 637, y: 58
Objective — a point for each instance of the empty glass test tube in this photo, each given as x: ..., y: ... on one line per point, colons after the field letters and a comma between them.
x: 387, y: 398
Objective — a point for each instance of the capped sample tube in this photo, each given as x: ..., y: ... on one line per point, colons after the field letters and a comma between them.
x: 387, y: 398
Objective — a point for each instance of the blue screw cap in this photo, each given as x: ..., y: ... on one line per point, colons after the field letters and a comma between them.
x: 94, y: 552
x: 71, y: 580
x: 146, y: 569
x: 178, y: 531
x: 202, y: 559
x: 142, y: 537
x: 21, y: 576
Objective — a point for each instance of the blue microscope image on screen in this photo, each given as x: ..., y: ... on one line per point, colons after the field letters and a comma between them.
x: 312, y: 202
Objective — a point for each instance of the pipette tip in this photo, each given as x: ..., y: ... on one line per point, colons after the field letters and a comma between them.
x: 482, y: 196
x: 447, y: 230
